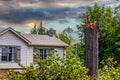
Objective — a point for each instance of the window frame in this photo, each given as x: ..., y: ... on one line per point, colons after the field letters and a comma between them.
x: 44, y: 52
x: 8, y: 53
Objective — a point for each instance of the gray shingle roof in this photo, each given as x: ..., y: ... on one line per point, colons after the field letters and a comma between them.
x: 44, y: 40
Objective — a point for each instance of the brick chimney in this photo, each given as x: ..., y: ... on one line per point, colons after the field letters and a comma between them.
x: 51, y: 32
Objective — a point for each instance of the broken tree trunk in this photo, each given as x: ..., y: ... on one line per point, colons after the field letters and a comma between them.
x: 91, y: 49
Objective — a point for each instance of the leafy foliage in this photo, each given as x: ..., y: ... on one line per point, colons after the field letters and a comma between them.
x: 117, y: 9
x: 53, y: 68
x: 64, y: 38
x: 68, y: 32
x: 109, y: 71
x: 66, y: 35
x: 71, y: 68
x: 78, y: 50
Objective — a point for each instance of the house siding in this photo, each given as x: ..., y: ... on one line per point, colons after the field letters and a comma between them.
x: 26, y: 55
x: 30, y: 56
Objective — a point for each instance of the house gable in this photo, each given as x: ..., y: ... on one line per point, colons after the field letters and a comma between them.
x: 15, y: 33
x: 9, y: 38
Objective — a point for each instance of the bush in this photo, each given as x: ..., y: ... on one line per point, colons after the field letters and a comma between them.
x: 53, y: 68
x: 69, y: 68
x: 109, y: 71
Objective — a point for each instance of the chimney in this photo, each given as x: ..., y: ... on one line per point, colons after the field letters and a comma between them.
x: 51, y: 32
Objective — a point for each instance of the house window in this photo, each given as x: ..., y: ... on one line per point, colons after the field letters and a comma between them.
x: 43, y: 53
x: 7, y: 54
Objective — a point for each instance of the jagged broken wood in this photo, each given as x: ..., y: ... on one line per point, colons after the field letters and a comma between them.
x: 91, y: 47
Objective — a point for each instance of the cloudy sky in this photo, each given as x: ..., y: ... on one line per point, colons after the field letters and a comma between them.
x: 58, y: 14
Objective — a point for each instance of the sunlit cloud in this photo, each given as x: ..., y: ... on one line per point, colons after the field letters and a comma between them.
x: 31, y: 5
x: 30, y: 25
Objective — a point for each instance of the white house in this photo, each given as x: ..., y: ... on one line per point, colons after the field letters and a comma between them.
x: 15, y: 47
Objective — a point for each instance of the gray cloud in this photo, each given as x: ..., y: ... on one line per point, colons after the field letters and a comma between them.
x: 19, y: 11
x: 22, y: 15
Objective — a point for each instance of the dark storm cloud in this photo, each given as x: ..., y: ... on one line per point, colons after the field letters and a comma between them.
x: 22, y: 15
x: 19, y: 11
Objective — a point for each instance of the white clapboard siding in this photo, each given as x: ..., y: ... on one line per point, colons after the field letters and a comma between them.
x: 26, y: 55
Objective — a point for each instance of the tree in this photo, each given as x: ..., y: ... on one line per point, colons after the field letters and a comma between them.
x: 117, y: 9
x: 78, y: 50
x: 108, y: 31
x: 34, y: 30
x: 91, y: 47
x: 39, y: 30
x: 80, y: 32
x: 64, y: 38
x: 66, y: 35
x: 68, y: 32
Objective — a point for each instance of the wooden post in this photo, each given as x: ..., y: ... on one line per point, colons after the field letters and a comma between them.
x: 91, y: 48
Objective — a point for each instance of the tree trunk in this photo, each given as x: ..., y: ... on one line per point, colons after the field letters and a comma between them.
x: 91, y: 50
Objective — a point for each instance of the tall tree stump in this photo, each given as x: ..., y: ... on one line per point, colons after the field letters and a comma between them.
x: 91, y: 48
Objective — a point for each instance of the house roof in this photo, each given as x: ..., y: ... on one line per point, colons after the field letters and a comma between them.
x: 36, y: 40
x: 44, y: 40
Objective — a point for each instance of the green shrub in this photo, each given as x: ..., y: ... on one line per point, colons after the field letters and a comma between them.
x: 69, y: 68
x: 109, y: 71
x: 53, y: 68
